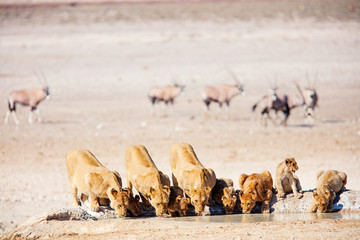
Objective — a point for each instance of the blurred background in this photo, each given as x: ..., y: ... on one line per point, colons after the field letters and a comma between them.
x: 100, y: 58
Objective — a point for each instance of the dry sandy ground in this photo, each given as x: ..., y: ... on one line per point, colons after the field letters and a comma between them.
x: 100, y: 61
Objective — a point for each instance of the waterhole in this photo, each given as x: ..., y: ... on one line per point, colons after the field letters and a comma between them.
x: 253, y: 218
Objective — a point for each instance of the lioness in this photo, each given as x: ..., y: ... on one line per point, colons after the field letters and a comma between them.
x: 224, y: 194
x: 178, y: 203
x: 286, y: 180
x: 93, y: 180
x: 328, y: 184
x: 255, y: 188
x: 191, y: 176
x: 134, y: 202
x: 142, y: 173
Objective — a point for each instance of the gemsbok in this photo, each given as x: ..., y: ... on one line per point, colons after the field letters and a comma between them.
x: 166, y: 94
x: 273, y: 102
x: 309, y: 97
x: 27, y: 97
x: 222, y: 93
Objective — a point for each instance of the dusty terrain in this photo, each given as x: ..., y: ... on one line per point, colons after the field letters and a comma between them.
x: 100, y: 60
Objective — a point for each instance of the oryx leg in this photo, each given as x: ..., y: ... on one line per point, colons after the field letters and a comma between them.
x: 272, y: 120
x: 218, y: 111
x: 265, y: 116
x: 14, y: 117
x: 227, y: 109
x: 7, y: 117
x: 31, y: 117
x: 309, y: 115
x: 38, y: 115
x: 163, y: 109
x: 153, y: 101
x: 207, y: 108
x: 31, y: 114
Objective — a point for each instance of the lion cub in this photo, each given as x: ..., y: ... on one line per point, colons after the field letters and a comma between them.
x: 224, y: 194
x: 95, y: 181
x: 328, y: 184
x: 178, y: 203
x: 256, y: 188
x: 286, y: 180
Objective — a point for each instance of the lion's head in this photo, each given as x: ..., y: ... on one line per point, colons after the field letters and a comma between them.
x: 159, y: 199
x: 247, y: 201
x: 291, y: 164
x: 322, y: 197
x: 134, y: 205
x: 229, y: 199
x: 200, y: 198
x: 182, y: 203
x: 119, y: 200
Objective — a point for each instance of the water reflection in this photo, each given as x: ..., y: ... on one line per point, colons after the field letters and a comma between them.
x: 278, y: 217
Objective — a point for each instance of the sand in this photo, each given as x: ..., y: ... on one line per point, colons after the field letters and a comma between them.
x: 100, y: 60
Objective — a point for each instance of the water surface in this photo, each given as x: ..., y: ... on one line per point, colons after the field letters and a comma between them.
x: 253, y: 218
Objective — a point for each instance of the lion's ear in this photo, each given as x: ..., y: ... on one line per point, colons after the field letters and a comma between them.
x: 192, y: 191
x: 178, y: 199
x: 167, y: 189
x: 315, y: 194
x: 114, y: 192
x: 287, y: 160
x: 118, y: 178
x: 207, y: 190
x: 253, y: 194
x: 152, y: 192
x: 127, y: 191
x: 226, y: 194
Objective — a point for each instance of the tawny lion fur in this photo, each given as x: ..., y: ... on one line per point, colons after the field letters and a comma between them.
x: 88, y: 176
x: 190, y: 175
x: 134, y: 202
x: 178, y: 203
x: 329, y: 183
x: 286, y: 180
x: 224, y: 194
x: 255, y: 188
x: 152, y: 184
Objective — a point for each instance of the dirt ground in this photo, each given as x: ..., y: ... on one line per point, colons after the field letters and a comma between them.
x: 100, y: 60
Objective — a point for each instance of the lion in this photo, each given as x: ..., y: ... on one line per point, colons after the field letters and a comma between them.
x: 178, y: 204
x: 93, y: 180
x: 256, y: 188
x: 328, y: 184
x: 286, y: 180
x: 134, y: 202
x: 191, y: 176
x: 134, y: 205
x: 224, y: 194
x: 142, y: 173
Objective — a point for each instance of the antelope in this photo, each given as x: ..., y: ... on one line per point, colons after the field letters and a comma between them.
x: 27, y: 97
x: 222, y: 93
x: 309, y: 97
x: 276, y: 103
x: 166, y: 94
